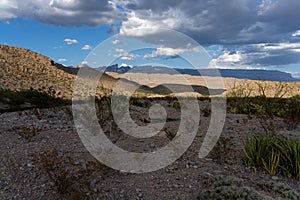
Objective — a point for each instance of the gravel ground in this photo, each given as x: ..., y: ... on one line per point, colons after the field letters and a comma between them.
x: 26, y: 134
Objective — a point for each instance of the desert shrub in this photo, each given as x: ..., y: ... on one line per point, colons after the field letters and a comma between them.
x: 222, y: 151
x: 69, y: 177
x: 284, y: 190
x: 26, y: 132
x: 104, y: 113
x: 176, y: 105
x: 206, y: 111
x: 291, y: 113
x: 226, y: 187
x: 263, y: 106
x: 239, y: 98
x: 274, y: 154
x: 170, y: 134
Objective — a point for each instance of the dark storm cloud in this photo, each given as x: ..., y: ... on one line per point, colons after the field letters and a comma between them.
x: 231, y: 23
x: 64, y: 12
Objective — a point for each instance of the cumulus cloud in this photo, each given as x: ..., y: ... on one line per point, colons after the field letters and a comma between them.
x: 167, y: 53
x: 252, y: 31
x: 70, y: 41
x: 260, y: 55
x: 124, y: 55
x: 63, y: 12
x: 86, y: 47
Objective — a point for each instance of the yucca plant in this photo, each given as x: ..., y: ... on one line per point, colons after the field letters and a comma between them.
x: 272, y: 162
x: 256, y: 149
x: 291, y: 158
x: 274, y: 154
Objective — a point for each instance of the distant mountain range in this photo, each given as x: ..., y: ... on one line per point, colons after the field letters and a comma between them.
x: 253, y: 74
x: 22, y: 69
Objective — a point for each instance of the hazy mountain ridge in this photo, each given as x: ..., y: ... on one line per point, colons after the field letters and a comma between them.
x: 254, y: 74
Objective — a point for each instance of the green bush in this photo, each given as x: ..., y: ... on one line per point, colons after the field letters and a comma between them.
x: 176, y: 105
x: 256, y: 149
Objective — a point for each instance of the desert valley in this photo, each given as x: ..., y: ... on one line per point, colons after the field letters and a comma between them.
x: 257, y: 155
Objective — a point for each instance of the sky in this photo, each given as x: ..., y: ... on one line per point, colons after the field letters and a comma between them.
x: 248, y: 34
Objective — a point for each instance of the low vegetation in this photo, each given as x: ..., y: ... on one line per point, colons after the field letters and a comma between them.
x: 266, y: 108
x: 35, y: 98
x: 226, y: 187
x: 223, y: 151
x: 274, y: 154
x: 70, y: 178
x: 28, y: 133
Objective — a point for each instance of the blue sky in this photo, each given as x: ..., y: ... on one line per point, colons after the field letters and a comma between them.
x: 262, y: 34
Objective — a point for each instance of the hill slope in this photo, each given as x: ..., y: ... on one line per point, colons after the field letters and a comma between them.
x: 24, y: 69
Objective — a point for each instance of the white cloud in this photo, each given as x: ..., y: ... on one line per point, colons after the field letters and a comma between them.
x: 124, y: 55
x: 164, y: 51
x: 62, y: 60
x: 70, y: 41
x: 295, y: 74
x: 128, y: 57
x: 259, y: 55
x: 280, y: 46
x: 296, y: 34
x: 120, y: 50
x: 230, y: 61
x: 117, y: 42
x: 170, y: 52
x: 86, y: 47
